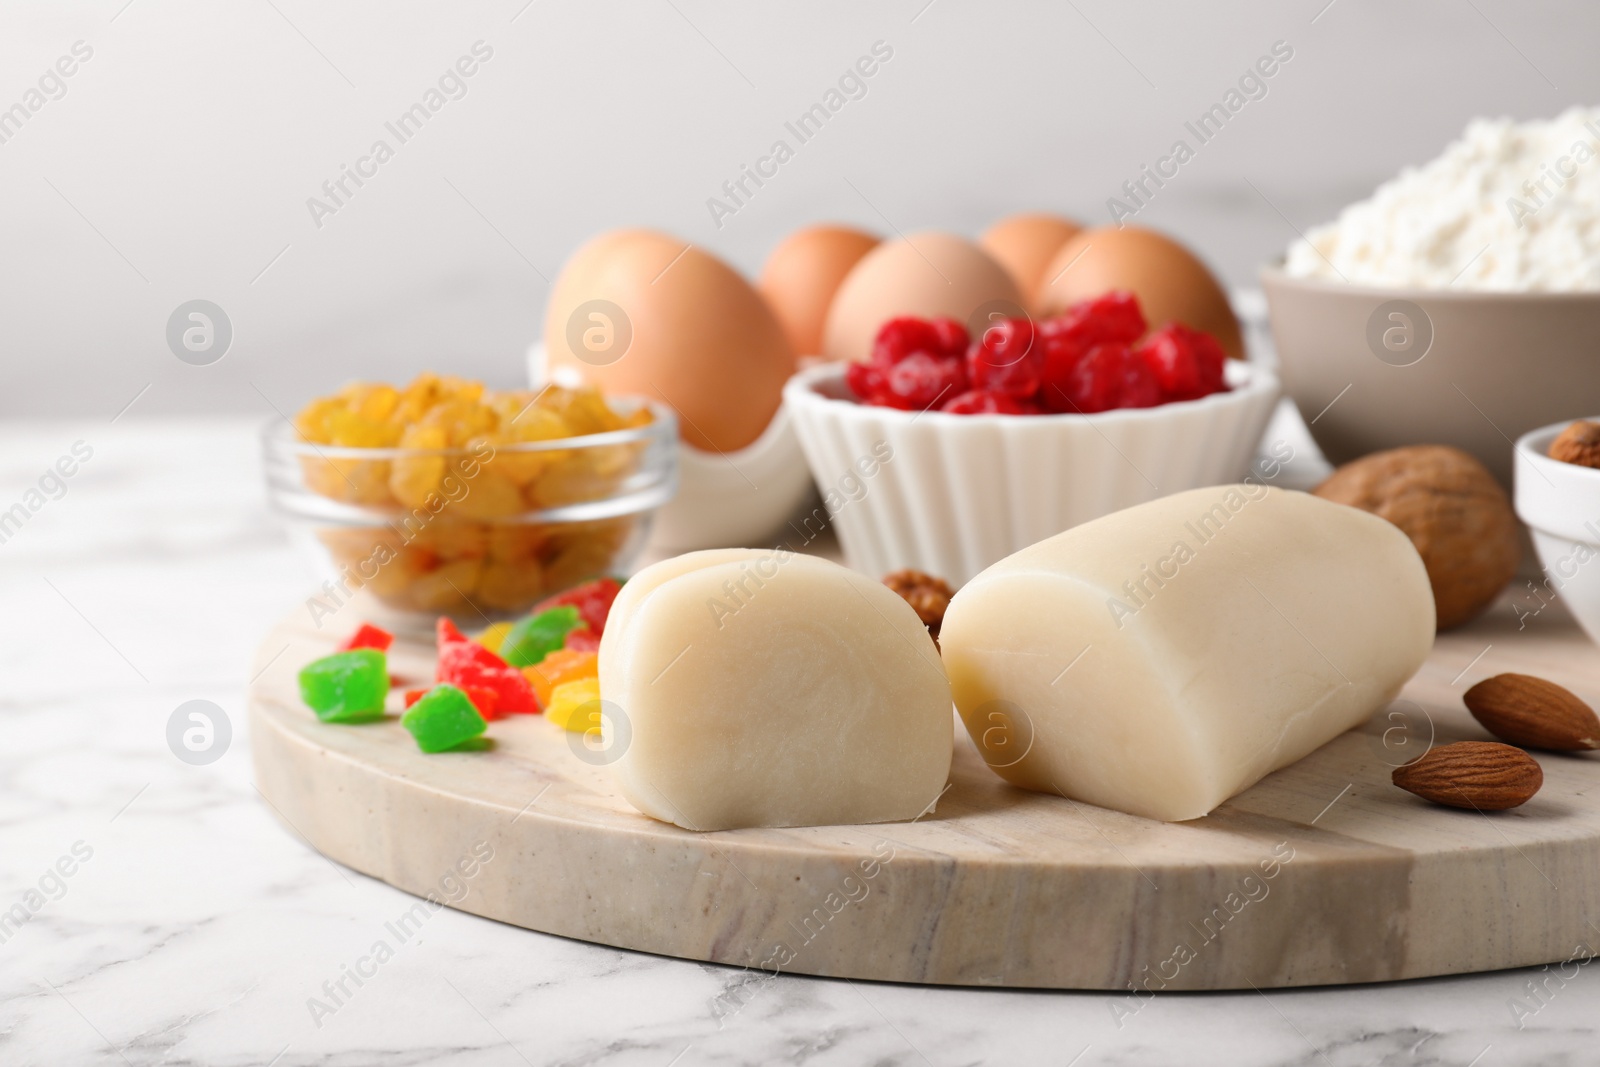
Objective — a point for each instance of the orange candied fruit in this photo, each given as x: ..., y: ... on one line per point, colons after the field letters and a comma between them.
x: 558, y: 668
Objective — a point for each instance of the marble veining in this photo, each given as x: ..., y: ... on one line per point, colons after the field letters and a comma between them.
x: 200, y: 926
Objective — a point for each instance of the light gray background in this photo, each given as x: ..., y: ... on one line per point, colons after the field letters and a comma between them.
x: 178, y: 164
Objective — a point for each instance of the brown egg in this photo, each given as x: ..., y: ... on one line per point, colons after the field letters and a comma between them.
x: 927, y: 275
x: 1025, y: 245
x: 641, y: 313
x: 803, y: 273
x: 1171, y: 283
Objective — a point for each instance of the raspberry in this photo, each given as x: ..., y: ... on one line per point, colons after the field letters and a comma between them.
x: 953, y: 338
x: 988, y: 402
x: 1006, y: 358
x: 1187, y: 363
x: 899, y: 338
x: 919, y: 381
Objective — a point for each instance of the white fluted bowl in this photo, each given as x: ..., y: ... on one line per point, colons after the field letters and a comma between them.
x: 951, y: 494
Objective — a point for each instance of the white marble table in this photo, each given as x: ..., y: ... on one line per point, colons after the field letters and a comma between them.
x: 199, y: 926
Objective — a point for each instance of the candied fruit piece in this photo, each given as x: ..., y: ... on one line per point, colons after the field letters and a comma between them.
x: 1115, y: 316
x: 906, y: 336
x: 368, y: 636
x: 1109, y: 376
x: 1187, y: 363
x: 558, y: 668
x: 592, y: 599
x: 582, y: 639
x: 868, y: 382
x: 576, y: 705
x: 443, y: 719
x: 492, y: 637
x: 953, y: 338
x: 1006, y: 358
x: 485, y: 700
x: 513, y: 694
x: 987, y: 402
x: 534, y: 638
x: 919, y: 381
x: 346, y: 687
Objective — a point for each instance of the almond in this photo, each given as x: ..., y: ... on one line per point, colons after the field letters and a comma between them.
x: 1481, y: 775
x: 1532, y: 712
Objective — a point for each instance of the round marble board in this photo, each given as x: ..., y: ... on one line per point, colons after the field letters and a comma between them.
x: 1323, y: 873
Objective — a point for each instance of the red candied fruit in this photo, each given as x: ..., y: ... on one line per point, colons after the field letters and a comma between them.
x: 582, y: 639
x: 1088, y: 359
x: 920, y: 381
x: 368, y: 636
x: 1116, y: 316
x: 466, y: 664
x: 989, y: 402
x: 868, y: 382
x: 593, y: 599
x: 953, y: 339
x: 1107, y: 377
x: 487, y: 701
x: 1188, y: 364
x: 1006, y: 358
x: 902, y: 337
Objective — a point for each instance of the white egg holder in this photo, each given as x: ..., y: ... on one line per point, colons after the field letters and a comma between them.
x: 725, y: 499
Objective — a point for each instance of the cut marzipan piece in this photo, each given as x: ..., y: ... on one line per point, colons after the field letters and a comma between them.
x: 765, y: 688
x: 1162, y: 659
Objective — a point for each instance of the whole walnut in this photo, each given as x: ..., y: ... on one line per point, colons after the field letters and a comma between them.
x: 1453, y: 510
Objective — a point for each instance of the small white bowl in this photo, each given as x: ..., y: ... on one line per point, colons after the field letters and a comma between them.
x: 951, y: 494
x: 1560, y: 502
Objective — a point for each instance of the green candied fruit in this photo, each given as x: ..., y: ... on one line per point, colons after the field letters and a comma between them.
x: 532, y: 639
x: 346, y: 686
x: 443, y: 719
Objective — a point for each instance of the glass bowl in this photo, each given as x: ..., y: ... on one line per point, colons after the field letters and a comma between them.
x: 476, y: 532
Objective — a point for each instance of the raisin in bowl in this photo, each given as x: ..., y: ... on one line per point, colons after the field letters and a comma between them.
x: 999, y: 455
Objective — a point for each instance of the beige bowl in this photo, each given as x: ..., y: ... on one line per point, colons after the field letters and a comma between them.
x: 1379, y: 368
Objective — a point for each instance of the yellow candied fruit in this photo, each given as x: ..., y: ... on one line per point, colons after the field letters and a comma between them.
x: 557, y: 669
x: 575, y: 705
x: 493, y: 637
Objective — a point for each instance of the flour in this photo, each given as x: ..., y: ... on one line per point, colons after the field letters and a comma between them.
x: 1511, y: 207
